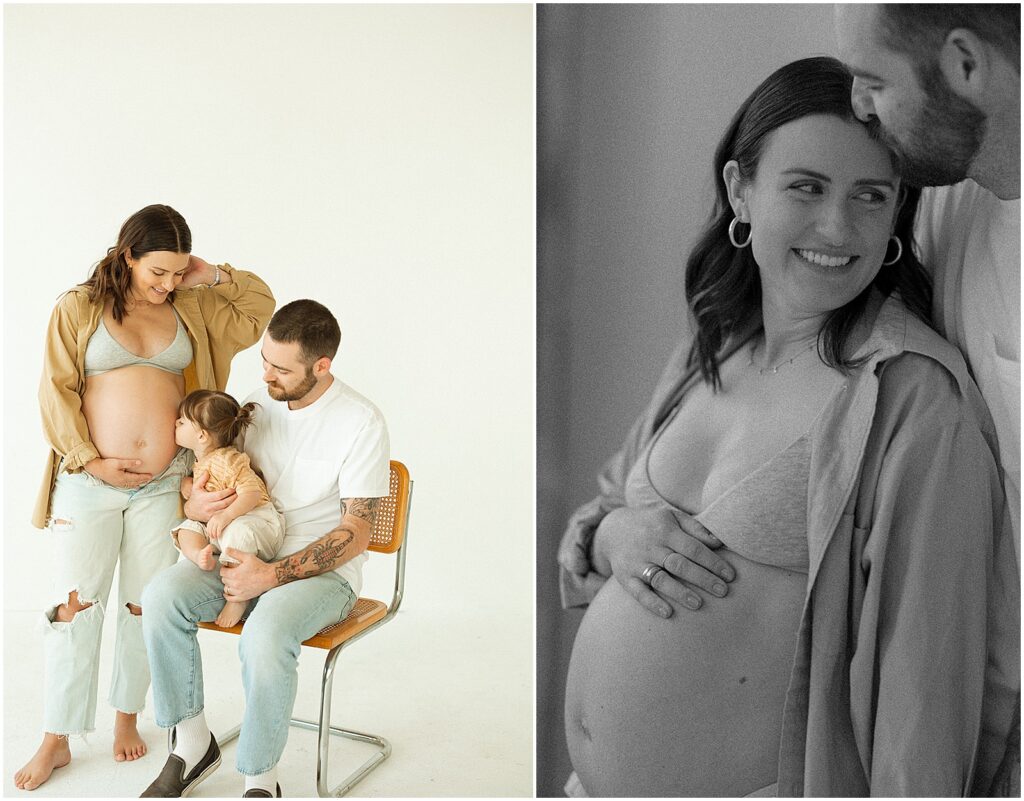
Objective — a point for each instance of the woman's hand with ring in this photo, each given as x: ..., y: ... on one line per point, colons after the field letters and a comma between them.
x: 659, y: 555
x: 117, y: 472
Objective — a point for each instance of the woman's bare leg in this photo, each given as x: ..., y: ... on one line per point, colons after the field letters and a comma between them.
x: 54, y: 752
x: 128, y: 745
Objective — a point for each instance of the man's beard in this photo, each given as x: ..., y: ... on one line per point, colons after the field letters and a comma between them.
x: 298, y: 393
x: 944, y: 139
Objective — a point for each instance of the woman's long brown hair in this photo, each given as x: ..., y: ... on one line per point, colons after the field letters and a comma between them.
x: 155, y: 227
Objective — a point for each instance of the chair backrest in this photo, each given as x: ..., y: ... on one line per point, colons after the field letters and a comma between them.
x: 392, y: 517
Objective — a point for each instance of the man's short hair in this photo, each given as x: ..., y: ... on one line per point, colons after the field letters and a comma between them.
x: 309, y: 323
x: 919, y: 30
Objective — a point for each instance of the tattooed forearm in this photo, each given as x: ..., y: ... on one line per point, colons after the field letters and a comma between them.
x: 336, y: 547
x: 318, y: 557
x: 363, y: 508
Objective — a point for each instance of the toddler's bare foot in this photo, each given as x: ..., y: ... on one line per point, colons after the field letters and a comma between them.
x: 206, y: 559
x: 52, y: 754
x: 128, y: 745
x: 203, y: 558
x: 231, y: 613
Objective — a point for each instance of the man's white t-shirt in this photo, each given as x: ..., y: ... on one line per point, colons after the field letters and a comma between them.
x: 970, y: 242
x: 311, y: 458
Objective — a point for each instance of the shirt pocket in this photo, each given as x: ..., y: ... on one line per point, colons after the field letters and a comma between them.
x: 311, y: 480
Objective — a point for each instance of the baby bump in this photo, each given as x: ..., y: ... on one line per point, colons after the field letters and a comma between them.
x: 688, y: 706
x: 131, y: 412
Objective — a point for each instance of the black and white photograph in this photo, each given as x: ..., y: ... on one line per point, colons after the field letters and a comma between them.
x: 778, y: 400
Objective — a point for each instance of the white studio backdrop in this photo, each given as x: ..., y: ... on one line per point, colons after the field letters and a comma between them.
x: 376, y: 158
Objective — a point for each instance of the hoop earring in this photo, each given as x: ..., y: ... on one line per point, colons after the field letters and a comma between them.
x: 899, y: 251
x: 732, y: 235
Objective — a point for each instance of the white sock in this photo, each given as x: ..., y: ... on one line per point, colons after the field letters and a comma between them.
x: 265, y: 781
x: 192, y: 739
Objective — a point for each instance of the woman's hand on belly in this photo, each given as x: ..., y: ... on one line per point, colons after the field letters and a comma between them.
x: 629, y: 541
x: 118, y: 472
x: 131, y: 412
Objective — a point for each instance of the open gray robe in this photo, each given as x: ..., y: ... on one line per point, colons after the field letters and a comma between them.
x: 906, y: 668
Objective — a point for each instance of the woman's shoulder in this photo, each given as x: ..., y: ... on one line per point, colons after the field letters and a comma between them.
x: 74, y: 311
x: 77, y: 298
x: 926, y: 378
x: 909, y: 349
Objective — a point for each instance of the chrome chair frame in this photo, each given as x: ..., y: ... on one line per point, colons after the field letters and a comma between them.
x: 323, y: 726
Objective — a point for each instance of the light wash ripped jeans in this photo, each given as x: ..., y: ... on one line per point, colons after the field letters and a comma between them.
x: 278, y: 621
x: 92, y: 527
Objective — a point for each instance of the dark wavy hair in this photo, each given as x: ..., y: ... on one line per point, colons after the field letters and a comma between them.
x: 723, y: 286
x: 155, y: 227
x: 217, y: 413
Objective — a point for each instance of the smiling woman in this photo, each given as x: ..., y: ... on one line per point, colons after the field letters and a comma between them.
x: 151, y: 323
x: 819, y: 222
x: 805, y: 446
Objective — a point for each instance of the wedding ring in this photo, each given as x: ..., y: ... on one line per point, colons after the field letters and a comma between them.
x: 649, y: 573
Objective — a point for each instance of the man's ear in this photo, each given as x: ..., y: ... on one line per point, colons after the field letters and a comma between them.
x: 966, y: 63
x: 321, y: 366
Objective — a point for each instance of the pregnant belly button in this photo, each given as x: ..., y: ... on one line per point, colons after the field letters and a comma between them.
x: 579, y: 719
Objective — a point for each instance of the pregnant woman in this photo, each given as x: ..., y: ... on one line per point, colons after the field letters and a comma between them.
x: 152, y: 323
x: 818, y: 461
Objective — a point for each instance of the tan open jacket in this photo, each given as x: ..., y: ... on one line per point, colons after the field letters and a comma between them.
x: 221, y: 321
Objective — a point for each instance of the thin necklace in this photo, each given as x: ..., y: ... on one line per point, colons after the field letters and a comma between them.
x: 780, y: 365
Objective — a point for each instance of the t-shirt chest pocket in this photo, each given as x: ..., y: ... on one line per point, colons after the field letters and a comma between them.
x: 311, y: 480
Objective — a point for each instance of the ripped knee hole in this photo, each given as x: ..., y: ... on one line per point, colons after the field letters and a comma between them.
x: 135, y: 610
x: 66, y: 611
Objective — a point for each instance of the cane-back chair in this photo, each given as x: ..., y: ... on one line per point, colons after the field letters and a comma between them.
x: 388, y: 536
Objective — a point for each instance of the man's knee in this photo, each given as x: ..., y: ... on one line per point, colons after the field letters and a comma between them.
x: 268, y: 643
x: 156, y: 595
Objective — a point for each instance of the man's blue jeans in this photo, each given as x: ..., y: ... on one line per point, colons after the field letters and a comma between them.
x: 181, y: 596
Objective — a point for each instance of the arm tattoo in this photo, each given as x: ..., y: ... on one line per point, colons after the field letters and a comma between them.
x: 318, y: 557
x: 330, y: 550
x: 365, y: 508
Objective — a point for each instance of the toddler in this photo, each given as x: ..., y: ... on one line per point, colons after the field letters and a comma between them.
x: 208, y: 424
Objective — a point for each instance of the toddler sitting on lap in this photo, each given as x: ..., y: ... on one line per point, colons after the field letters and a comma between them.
x: 208, y: 423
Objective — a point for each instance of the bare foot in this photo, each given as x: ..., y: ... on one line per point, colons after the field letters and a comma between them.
x: 52, y: 754
x: 206, y: 558
x: 231, y: 613
x: 128, y: 745
x: 203, y: 558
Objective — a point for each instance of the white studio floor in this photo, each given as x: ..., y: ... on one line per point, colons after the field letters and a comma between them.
x: 451, y: 690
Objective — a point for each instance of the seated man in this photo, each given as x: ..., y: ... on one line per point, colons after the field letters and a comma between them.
x: 323, y: 450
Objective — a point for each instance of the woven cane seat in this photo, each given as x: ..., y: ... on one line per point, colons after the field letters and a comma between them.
x: 365, y: 612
